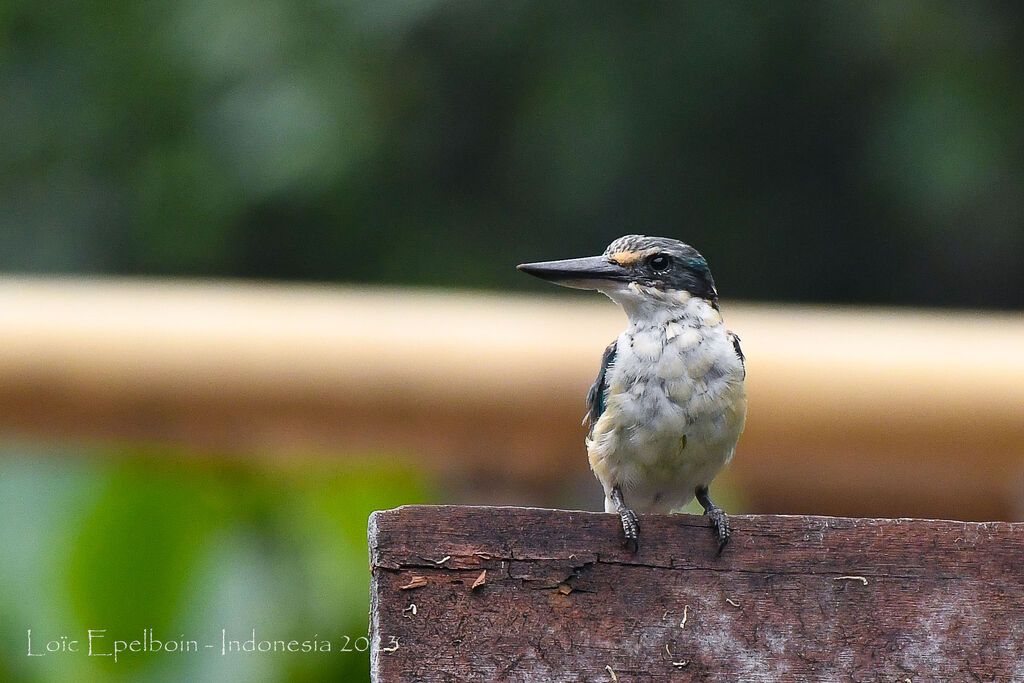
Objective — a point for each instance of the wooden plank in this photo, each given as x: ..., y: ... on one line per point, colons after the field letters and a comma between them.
x: 888, y: 405
x: 791, y: 598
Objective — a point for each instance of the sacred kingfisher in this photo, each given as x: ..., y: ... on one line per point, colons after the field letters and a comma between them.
x: 668, y: 404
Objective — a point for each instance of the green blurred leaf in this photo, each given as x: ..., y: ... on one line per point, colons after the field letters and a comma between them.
x: 134, y: 548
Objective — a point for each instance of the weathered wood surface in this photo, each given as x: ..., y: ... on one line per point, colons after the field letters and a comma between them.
x: 791, y: 598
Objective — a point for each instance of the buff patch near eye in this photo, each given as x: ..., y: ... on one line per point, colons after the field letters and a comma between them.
x: 629, y: 258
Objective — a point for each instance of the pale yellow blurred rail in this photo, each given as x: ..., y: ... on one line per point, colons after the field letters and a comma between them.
x: 860, y: 411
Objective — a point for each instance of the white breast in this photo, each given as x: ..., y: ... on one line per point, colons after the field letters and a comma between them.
x: 674, y: 409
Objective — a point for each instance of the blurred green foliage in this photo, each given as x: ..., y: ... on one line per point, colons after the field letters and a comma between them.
x: 841, y: 151
x: 186, y: 547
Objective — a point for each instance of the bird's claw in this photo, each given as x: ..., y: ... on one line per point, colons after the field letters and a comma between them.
x: 631, y: 530
x: 720, y: 522
x: 630, y: 522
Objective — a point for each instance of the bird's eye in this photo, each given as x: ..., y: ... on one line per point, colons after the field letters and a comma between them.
x: 659, y: 262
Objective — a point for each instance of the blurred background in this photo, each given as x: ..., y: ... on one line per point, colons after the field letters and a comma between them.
x: 258, y: 280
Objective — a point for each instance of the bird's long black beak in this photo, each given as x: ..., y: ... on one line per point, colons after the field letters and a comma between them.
x: 592, y: 272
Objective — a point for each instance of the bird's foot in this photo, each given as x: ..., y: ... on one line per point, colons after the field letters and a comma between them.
x: 719, y: 520
x: 630, y: 522
x: 631, y: 529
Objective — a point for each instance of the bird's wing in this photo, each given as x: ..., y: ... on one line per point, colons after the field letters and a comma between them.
x: 735, y: 338
x: 595, y: 397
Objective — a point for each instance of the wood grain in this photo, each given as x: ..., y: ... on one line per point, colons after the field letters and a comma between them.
x: 791, y: 598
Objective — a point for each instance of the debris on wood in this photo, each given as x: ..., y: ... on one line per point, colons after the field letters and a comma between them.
x: 414, y: 582
x: 480, y: 580
x: 564, y: 588
x: 852, y: 578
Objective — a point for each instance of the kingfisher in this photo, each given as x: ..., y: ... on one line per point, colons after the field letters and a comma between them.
x: 669, y: 402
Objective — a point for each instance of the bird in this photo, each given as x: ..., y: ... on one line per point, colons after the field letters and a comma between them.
x: 669, y: 403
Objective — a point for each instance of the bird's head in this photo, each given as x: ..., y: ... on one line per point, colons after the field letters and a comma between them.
x: 636, y: 271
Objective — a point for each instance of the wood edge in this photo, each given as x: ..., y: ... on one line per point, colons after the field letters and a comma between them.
x: 380, y: 518
x: 372, y: 535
